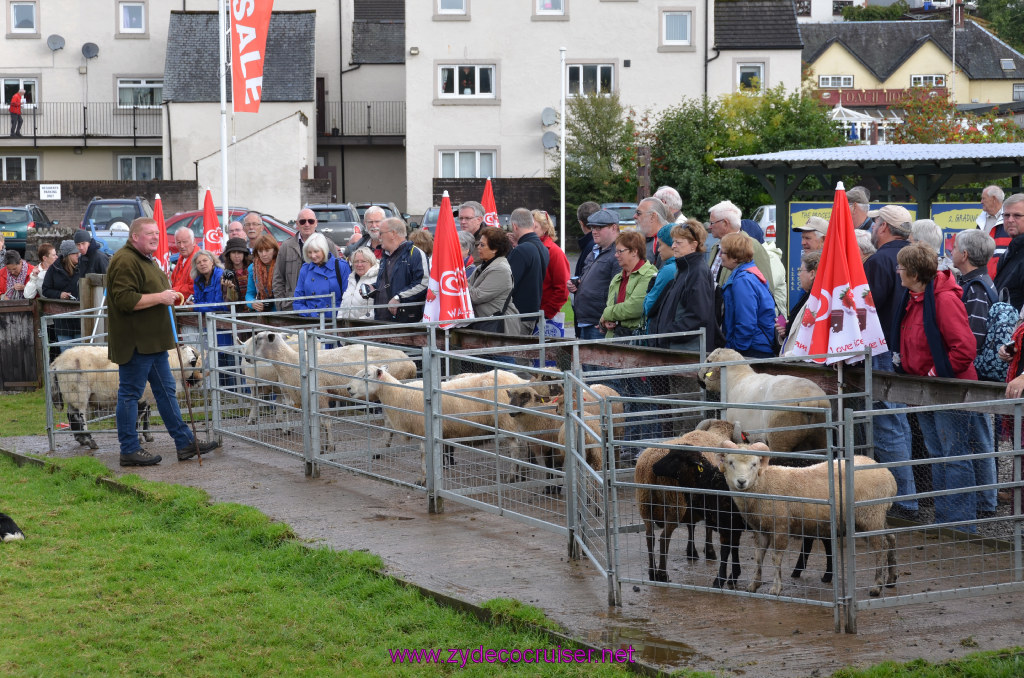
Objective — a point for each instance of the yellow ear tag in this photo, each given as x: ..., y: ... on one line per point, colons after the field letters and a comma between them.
x: 708, y: 374
x: 700, y: 468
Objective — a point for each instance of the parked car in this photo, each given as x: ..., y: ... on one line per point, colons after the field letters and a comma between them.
x: 626, y: 212
x: 390, y: 210
x: 108, y: 220
x: 337, y: 221
x: 194, y: 221
x: 765, y: 217
x: 430, y: 218
x: 16, y: 223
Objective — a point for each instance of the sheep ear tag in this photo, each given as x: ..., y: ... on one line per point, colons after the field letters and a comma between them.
x: 700, y: 468
x: 707, y: 375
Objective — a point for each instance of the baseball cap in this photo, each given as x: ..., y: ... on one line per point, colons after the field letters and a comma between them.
x: 816, y: 224
x: 894, y: 215
x: 602, y: 218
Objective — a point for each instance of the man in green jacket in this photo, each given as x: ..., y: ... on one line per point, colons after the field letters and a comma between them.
x: 140, y: 334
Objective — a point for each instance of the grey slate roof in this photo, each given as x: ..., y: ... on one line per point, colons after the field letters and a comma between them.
x: 190, y: 68
x: 882, y: 46
x: 909, y: 154
x: 756, y: 24
x: 378, y: 10
x: 378, y: 42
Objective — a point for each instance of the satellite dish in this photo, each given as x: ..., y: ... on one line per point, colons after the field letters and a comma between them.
x: 548, y: 116
x: 55, y: 42
x: 549, y: 140
x: 90, y: 50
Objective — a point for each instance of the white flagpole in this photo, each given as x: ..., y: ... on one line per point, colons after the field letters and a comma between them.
x: 561, y: 153
x: 223, y: 110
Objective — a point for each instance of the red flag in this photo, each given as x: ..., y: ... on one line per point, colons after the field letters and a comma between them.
x: 213, y: 235
x: 490, y: 209
x: 250, y: 22
x: 448, y: 293
x: 163, y: 253
x: 840, y: 315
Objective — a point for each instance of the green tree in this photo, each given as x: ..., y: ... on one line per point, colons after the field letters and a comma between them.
x: 1007, y: 19
x: 936, y: 120
x: 893, y: 12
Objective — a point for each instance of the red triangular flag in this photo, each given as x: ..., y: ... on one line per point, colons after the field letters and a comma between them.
x: 213, y: 235
x: 448, y: 293
x: 490, y: 209
x: 163, y: 253
x: 840, y: 315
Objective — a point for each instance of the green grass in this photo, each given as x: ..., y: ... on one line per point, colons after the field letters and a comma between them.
x: 570, y: 316
x: 995, y: 664
x: 23, y: 413
x: 161, y: 583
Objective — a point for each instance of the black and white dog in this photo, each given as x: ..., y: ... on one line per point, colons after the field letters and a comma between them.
x: 8, y: 530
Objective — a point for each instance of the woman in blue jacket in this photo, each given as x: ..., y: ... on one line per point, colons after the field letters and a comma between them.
x: 208, y: 297
x: 323, y: 273
x: 749, y: 323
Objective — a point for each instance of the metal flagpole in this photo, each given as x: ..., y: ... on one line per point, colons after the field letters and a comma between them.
x: 223, y: 110
x: 561, y: 154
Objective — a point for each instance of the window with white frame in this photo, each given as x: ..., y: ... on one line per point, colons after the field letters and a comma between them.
x: 131, y: 17
x: 927, y: 81
x: 554, y: 7
x: 750, y: 77
x: 466, y: 81
x: 452, y: 6
x: 141, y: 92
x: 591, y: 79
x: 466, y: 164
x: 835, y: 81
x: 1018, y: 91
x: 140, y: 167
x: 676, y: 27
x: 11, y: 86
x: 24, y: 18
x: 19, y: 168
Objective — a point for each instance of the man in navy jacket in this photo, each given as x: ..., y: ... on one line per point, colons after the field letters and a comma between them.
x: 529, y: 263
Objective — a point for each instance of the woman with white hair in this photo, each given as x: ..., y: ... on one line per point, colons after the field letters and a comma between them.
x: 321, y: 274
x: 364, y: 273
x: 207, y: 274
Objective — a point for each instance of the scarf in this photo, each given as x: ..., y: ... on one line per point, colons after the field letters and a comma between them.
x: 940, y: 357
x: 242, y: 281
x: 264, y: 274
x: 13, y: 280
x: 621, y: 296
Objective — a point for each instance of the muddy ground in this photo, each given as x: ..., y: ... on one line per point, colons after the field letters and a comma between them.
x: 476, y: 556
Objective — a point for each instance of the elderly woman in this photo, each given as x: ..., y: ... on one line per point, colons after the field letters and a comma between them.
x: 14, y: 276
x: 207, y: 274
x: 689, y: 302
x: 805, y: 276
x: 934, y: 339
x: 260, y: 287
x: 321, y: 274
x: 624, y: 312
x: 61, y: 282
x: 47, y: 256
x: 490, y: 286
x: 364, y: 272
x: 749, y: 323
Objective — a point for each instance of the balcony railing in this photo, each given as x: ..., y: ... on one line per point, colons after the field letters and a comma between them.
x: 74, y: 120
x: 361, y: 118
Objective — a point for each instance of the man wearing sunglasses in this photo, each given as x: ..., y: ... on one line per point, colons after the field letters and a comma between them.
x: 289, y: 259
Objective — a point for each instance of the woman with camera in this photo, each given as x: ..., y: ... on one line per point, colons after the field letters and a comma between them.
x: 259, y: 290
x: 357, y: 300
x: 321, y: 274
x: 236, y: 262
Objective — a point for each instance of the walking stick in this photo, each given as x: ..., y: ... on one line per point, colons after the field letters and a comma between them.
x: 184, y: 381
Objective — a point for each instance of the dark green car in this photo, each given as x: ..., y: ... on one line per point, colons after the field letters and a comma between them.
x: 15, y: 223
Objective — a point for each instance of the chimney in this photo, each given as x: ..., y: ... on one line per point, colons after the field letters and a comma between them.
x: 958, y: 14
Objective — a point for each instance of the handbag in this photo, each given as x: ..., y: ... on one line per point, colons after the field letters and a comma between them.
x: 496, y: 325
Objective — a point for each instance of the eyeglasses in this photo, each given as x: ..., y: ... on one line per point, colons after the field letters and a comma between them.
x: 716, y: 221
x: 900, y: 268
x: 383, y: 232
x: 638, y: 213
x: 680, y: 242
x: 598, y: 227
x: 462, y: 218
x: 303, y: 222
x: 1012, y: 215
x: 621, y: 251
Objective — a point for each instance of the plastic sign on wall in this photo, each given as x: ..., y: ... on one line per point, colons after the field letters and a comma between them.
x: 250, y: 22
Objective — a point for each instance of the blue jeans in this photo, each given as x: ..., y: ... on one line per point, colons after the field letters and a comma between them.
x: 134, y: 374
x: 979, y: 441
x: 892, y: 439
x: 591, y: 332
x: 945, y: 433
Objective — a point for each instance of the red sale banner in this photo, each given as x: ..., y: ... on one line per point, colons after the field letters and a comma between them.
x: 250, y: 21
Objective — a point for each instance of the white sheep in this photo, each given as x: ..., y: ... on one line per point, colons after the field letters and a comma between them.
x: 774, y: 521
x: 404, y: 405
x: 264, y: 377
x: 86, y: 379
x: 744, y: 385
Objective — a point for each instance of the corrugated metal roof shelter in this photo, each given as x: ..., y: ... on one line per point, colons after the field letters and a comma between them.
x: 923, y: 169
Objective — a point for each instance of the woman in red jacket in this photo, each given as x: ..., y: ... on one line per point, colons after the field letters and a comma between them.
x: 554, y: 292
x: 934, y: 339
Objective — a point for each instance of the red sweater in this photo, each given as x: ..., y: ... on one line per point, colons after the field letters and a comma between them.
x: 181, y: 276
x: 553, y: 292
x: 951, y: 316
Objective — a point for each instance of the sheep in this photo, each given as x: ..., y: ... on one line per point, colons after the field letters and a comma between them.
x: 667, y: 509
x: 263, y: 374
x: 398, y: 399
x: 773, y: 521
x: 718, y: 511
x: 84, y: 376
x: 337, y: 366
x: 9, y: 531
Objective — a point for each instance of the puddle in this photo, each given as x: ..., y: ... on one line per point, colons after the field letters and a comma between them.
x: 647, y: 647
x: 381, y: 516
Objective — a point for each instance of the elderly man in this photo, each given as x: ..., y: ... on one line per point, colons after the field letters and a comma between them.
x: 91, y: 259
x: 529, y: 264
x: 590, y: 292
x: 140, y: 334
x: 471, y: 217
x: 402, y: 278
x: 651, y: 215
x: 289, y: 259
x: 252, y: 222
x: 725, y: 219
x: 14, y: 276
x: 181, y: 276
x: 860, y: 203
x: 889, y: 234
x: 373, y: 218
x: 1010, y: 270
x: 812, y: 234
x: 991, y: 221
x: 672, y: 201
x: 236, y: 230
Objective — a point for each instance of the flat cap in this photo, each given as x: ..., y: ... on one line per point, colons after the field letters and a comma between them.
x: 602, y: 218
